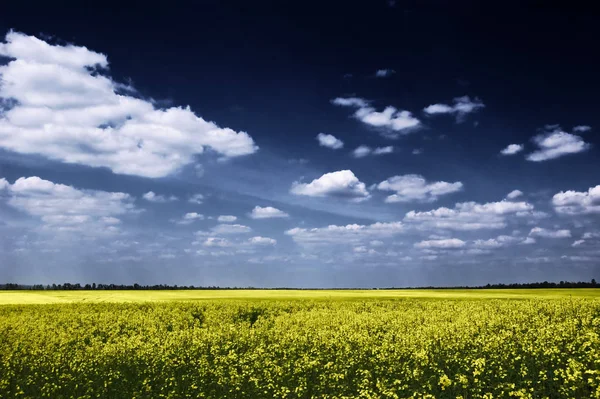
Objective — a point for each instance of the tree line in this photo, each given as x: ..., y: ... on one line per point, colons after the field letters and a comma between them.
x: 104, y: 287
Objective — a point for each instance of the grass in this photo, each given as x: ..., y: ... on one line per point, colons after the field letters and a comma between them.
x: 48, y: 297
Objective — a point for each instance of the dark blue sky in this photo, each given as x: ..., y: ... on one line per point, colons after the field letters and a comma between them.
x: 430, y: 114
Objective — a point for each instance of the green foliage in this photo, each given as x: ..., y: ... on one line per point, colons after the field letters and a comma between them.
x: 409, y: 348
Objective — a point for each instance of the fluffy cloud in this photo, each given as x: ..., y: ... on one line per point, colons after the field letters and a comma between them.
x: 394, y: 121
x: 349, y: 234
x: 409, y: 188
x: 329, y: 141
x: 363, y: 151
x: 227, y: 218
x: 576, y: 203
x: 442, y: 244
x: 462, y: 107
x: 384, y: 73
x: 189, y: 218
x: 267, y: 212
x: 217, y: 242
x: 512, y: 149
x: 469, y: 216
x: 577, y: 243
x: 65, y: 108
x: 231, y: 229
x: 514, y: 194
x: 497, y: 242
x: 151, y: 196
x: 65, y: 208
x: 342, y: 183
x: 541, y: 232
x: 258, y: 240
x: 554, y: 143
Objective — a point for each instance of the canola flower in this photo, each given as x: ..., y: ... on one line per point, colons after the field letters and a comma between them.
x: 303, y: 349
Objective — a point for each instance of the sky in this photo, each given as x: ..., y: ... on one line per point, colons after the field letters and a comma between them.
x: 278, y: 144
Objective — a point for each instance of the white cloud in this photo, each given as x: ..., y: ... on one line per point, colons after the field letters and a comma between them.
x: 577, y: 243
x: 4, y: 183
x: 415, y: 188
x: 383, y: 150
x: 267, y: 212
x: 444, y: 244
x: 329, y: 141
x: 151, y: 196
x: 342, y: 183
x: 227, y: 218
x: 361, y: 151
x: 216, y: 242
x: 514, y: 194
x: 582, y: 128
x: 65, y: 208
x: 528, y: 240
x: 576, y: 203
x: 590, y: 235
x: 469, y: 216
x: 462, y: 107
x: 66, y: 109
x: 231, y: 229
x: 189, y: 218
x: 512, y: 149
x: 554, y: 143
x: 196, y: 199
x: 349, y: 234
x: 258, y: 240
x: 394, y: 120
x: 541, y: 232
x: 384, y: 73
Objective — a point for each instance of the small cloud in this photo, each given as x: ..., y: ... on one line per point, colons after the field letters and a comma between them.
x: 361, y: 151
x: 231, y: 229
x: 227, y: 218
x: 448, y: 243
x: 216, y: 242
x: 462, y: 106
x: 512, y: 149
x: 342, y: 183
x: 384, y: 73
x: 554, y: 143
x: 415, y: 188
x: 150, y: 196
x: 417, y: 151
x: 196, y: 199
x: 582, y: 128
x: 577, y: 243
x: 258, y: 240
x: 267, y: 212
x: 383, y: 150
x: 189, y: 218
x: 545, y: 233
x: 329, y: 141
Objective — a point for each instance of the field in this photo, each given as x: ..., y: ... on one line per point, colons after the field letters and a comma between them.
x: 300, y: 344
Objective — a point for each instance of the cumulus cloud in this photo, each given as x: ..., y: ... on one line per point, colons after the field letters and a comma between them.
x: 469, y: 216
x: 448, y: 243
x: 64, y: 107
x: 409, y: 188
x: 231, y: 229
x: 545, y: 233
x: 462, y: 106
x: 65, y: 208
x: 349, y: 234
x: 393, y: 121
x: 384, y: 73
x: 329, y: 141
x: 554, y: 143
x: 227, y: 218
x: 383, y: 150
x: 512, y: 149
x: 267, y: 212
x: 514, y: 194
x: 577, y: 243
x: 258, y: 240
x: 577, y: 203
x: 151, y: 196
x: 189, y: 218
x: 217, y: 242
x: 342, y: 184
